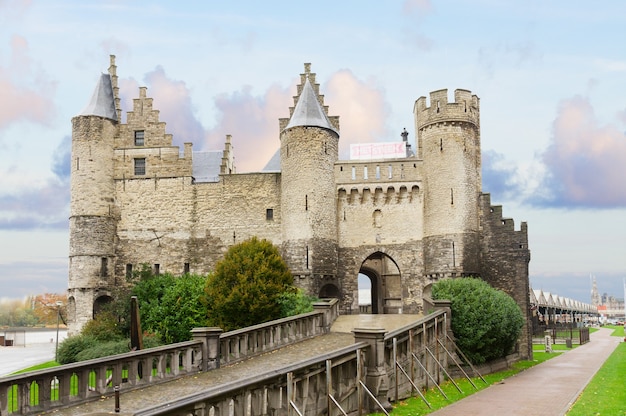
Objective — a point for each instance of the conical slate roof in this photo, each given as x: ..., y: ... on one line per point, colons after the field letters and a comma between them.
x: 102, y: 103
x: 309, y: 111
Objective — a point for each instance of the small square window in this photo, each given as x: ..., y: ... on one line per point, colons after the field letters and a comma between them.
x: 129, y: 271
x: 269, y: 214
x: 156, y: 270
x: 186, y: 268
x: 139, y: 138
x: 140, y: 166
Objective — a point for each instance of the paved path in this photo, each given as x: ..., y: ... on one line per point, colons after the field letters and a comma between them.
x: 548, y: 389
x: 17, y: 357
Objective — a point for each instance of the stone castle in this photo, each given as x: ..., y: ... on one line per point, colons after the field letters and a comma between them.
x: 404, y: 222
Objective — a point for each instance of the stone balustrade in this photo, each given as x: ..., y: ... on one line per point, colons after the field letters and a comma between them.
x: 71, y: 384
x: 75, y: 383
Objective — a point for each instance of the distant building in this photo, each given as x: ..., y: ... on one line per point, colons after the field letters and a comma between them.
x: 405, y: 221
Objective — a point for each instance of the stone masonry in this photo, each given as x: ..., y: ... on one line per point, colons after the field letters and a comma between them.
x: 403, y: 222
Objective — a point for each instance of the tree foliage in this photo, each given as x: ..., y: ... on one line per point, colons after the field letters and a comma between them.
x: 182, y: 309
x: 246, y: 286
x: 39, y: 310
x: 486, y: 322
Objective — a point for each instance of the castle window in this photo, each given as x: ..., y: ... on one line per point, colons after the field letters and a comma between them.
x: 377, y: 172
x: 269, y: 214
x: 157, y: 269
x: 140, y: 166
x: 103, y: 267
x: 390, y: 171
x: 139, y: 138
x: 129, y: 271
x: 364, y: 172
x: 353, y: 172
x: 186, y: 268
x: 306, y: 202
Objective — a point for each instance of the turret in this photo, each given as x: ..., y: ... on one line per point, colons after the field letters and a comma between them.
x: 93, y: 216
x: 309, y: 142
x: 448, y: 141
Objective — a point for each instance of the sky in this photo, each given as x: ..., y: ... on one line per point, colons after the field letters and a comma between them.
x: 551, y: 77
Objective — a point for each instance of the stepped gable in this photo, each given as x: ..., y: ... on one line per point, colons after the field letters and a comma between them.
x: 102, y: 102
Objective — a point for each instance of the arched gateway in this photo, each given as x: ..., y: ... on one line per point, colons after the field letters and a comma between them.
x: 386, y: 283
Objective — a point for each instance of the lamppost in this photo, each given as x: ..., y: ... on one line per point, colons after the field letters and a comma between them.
x: 56, y: 350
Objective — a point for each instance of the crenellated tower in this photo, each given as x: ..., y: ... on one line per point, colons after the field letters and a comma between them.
x: 93, y: 215
x: 448, y: 141
x: 309, y: 142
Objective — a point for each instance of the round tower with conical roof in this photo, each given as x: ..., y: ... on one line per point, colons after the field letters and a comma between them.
x: 93, y: 217
x: 309, y: 142
x: 448, y: 140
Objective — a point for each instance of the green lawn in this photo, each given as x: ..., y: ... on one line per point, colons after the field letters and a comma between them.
x: 605, y: 393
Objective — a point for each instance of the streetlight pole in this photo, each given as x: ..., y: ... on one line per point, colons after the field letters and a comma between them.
x: 56, y: 350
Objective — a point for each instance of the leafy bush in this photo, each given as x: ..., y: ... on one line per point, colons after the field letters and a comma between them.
x: 182, y: 309
x: 104, y: 327
x: 486, y: 322
x: 246, y: 286
x: 104, y: 349
x: 74, y: 345
x: 295, y: 302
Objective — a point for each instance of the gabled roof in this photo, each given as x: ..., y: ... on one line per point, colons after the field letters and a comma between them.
x: 102, y: 102
x: 309, y: 112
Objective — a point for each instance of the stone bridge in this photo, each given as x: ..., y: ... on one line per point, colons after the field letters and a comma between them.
x: 312, y: 364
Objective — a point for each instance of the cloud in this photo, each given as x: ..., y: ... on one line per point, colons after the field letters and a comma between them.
x: 173, y: 99
x: 253, y: 122
x: 500, y: 178
x: 26, y: 91
x: 584, y: 162
x: 417, y: 6
x: 362, y: 109
x: 43, y: 207
x: 418, y: 9
x: 35, y: 277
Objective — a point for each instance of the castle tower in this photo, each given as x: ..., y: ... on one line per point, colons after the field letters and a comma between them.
x: 93, y: 216
x: 448, y: 141
x: 309, y: 142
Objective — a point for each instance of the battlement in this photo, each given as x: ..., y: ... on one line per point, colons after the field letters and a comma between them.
x: 464, y: 109
x: 381, y: 195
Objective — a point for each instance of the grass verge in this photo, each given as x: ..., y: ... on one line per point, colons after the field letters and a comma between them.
x: 605, y: 393
x: 415, y: 406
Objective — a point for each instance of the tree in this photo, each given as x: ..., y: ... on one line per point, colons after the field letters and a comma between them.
x: 486, y: 322
x: 246, y: 286
x: 182, y: 309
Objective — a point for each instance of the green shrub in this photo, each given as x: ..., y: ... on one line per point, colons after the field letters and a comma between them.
x: 72, y: 346
x: 486, y: 322
x: 246, y: 286
x: 104, y: 349
x: 183, y: 309
x: 295, y: 302
x: 104, y: 327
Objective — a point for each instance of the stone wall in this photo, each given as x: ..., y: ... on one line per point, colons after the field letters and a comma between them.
x: 505, y: 258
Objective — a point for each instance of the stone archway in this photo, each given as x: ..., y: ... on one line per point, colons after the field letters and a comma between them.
x: 99, y: 304
x: 386, y: 283
x: 329, y: 290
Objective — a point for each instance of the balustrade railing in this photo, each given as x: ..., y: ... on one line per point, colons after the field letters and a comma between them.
x: 76, y: 383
